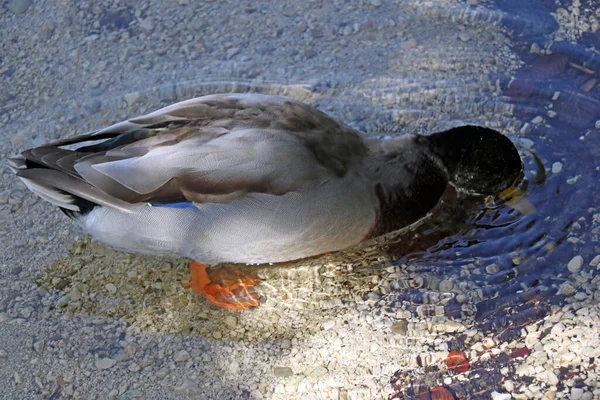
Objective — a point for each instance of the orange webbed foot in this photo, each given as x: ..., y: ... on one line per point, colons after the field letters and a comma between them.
x: 224, y: 287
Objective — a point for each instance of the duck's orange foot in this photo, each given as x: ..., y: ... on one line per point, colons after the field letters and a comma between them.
x: 224, y: 287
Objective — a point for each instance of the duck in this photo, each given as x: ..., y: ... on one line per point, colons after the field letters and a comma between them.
x: 253, y: 178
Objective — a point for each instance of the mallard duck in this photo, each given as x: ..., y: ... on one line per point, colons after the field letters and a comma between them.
x: 251, y: 178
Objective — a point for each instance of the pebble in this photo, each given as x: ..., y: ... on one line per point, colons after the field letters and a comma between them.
x: 282, y: 371
x: 409, y: 44
x: 232, y: 52
x: 181, y: 356
x: 3, y: 354
x: 328, y: 325
x: 595, y: 261
x: 537, y: 120
x: 556, y: 167
x: 446, y: 285
x: 167, y: 92
x: 230, y: 321
x: 188, y: 387
x: 38, y: 346
x: 19, y: 6
x: 132, y: 98
x: 286, y: 344
x: 110, y: 288
x: 575, y: 264
x: 134, y: 367
x: 464, y: 36
x: 501, y: 396
x: 63, y: 301
x: 576, y: 393
x: 597, y: 124
x: 105, y: 363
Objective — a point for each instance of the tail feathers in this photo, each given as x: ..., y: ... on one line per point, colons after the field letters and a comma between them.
x: 71, y: 194
x: 52, y: 195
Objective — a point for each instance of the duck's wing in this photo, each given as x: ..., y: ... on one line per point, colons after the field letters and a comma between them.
x: 209, y: 149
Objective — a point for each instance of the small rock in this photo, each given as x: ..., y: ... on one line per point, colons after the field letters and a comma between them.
x: 537, y: 120
x: 501, y: 396
x: 409, y: 44
x: 110, y: 288
x: 105, y: 363
x: 19, y: 6
x: 232, y: 52
x: 283, y: 371
x: 400, y: 327
x: 464, y: 36
x: 230, y: 321
x: 551, y: 378
x: 188, y: 387
x: 535, y: 48
x: 181, y: 356
x: 446, y: 285
x: 167, y: 91
x: 376, y: 3
x: 595, y: 261
x: 556, y: 167
x: 162, y: 372
x: 63, y: 301
x: 597, y: 124
x: 18, y: 378
x: 26, y: 312
x: 217, y: 335
x: 134, y: 367
x: 328, y: 325
x: 551, y: 114
x: 132, y: 98
x: 18, y: 139
x: 316, y: 371
x: 286, y: 344
x: 575, y: 264
x: 576, y: 393
x: 3, y: 354
x: 39, y: 346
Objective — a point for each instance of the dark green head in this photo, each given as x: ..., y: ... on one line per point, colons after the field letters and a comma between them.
x: 478, y: 160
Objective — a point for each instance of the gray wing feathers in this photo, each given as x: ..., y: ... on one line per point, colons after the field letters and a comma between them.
x: 213, y: 148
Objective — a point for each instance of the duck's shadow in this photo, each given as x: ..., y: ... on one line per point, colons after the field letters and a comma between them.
x: 375, y: 278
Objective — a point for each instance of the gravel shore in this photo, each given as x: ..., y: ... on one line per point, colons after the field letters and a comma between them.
x: 80, y: 320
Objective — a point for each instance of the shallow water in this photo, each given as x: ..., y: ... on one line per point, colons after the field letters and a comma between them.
x: 477, y: 270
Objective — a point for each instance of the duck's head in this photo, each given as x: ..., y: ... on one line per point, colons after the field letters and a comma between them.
x: 479, y: 160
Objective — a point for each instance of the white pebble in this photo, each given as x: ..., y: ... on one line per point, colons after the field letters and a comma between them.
x: 537, y: 120
x: 597, y: 124
x: 105, y: 363
x: 576, y: 393
x: 575, y: 264
x: 556, y: 167
x: 595, y: 261
x: 181, y: 356
x: 501, y: 396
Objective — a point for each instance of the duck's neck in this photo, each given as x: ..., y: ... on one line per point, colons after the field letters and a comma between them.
x: 408, y: 181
